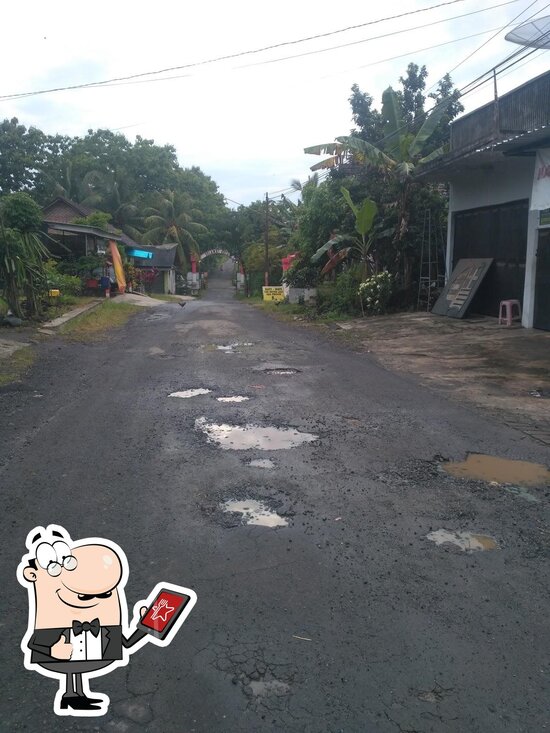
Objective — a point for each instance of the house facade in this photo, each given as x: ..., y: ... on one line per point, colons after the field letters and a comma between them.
x: 491, y: 171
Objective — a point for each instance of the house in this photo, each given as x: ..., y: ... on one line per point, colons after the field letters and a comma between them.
x: 493, y: 168
x: 76, y: 240
x: 163, y: 262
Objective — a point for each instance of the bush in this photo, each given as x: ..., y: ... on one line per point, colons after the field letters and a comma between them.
x: 375, y: 293
x: 67, y: 284
x: 302, y: 275
x: 340, y: 297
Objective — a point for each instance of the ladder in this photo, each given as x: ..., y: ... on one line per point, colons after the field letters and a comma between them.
x: 431, y: 279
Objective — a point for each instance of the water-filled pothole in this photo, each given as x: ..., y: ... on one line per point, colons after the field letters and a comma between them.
x: 261, y: 463
x: 481, y: 467
x: 190, y: 393
x: 466, y: 541
x: 230, y: 348
x: 282, y: 371
x: 245, y: 437
x: 237, y: 398
x: 254, y: 512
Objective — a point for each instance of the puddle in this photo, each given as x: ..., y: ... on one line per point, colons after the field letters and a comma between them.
x: 502, y: 470
x: 255, y: 512
x: 238, y: 437
x: 230, y: 348
x: 261, y: 463
x: 190, y: 393
x: 467, y: 541
x: 280, y: 371
x: 238, y: 398
x: 269, y: 688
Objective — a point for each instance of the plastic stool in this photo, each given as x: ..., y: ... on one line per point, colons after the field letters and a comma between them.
x: 505, y: 314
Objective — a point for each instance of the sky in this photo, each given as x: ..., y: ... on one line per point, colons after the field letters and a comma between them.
x: 244, y: 121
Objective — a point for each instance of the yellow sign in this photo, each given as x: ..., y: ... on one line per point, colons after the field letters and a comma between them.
x: 54, y: 293
x: 273, y: 293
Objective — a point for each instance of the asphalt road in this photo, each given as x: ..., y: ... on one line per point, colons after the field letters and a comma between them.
x: 346, y: 619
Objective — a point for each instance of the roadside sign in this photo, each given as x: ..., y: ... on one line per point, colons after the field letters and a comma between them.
x: 273, y: 293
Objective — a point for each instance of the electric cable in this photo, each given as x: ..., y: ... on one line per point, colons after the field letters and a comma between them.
x: 229, y: 56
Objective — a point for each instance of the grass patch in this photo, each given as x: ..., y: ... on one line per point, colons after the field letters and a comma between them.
x: 164, y: 296
x: 65, y: 303
x: 15, y: 366
x: 95, y: 324
x: 290, y: 311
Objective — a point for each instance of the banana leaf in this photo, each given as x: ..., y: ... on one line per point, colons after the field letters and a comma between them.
x: 430, y: 123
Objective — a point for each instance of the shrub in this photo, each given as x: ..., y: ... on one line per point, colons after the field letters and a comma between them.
x: 302, y: 275
x: 67, y: 284
x: 375, y: 293
x: 340, y: 297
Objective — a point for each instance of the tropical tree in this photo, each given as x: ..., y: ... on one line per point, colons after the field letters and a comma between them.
x: 364, y: 219
x: 22, y: 253
x: 397, y: 154
x: 173, y: 219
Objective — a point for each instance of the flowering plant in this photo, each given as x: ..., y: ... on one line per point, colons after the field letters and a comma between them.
x: 375, y: 292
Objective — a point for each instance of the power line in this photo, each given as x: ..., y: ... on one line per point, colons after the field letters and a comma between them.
x: 229, y: 56
x: 383, y: 35
x: 496, y: 34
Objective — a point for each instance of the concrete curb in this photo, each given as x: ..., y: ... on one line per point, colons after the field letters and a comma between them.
x: 69, y: 316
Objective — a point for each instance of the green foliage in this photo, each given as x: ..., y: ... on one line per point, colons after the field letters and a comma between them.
x: 19, y: 211
x: 98, y: 219
x: 67, y: 284
x: 83, y: 267
x: 340, y: 297
x: 302, y: 275
x: 375, y: 293
x: 22, y: 255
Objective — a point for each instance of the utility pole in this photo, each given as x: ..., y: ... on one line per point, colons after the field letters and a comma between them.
x: 266, y: 242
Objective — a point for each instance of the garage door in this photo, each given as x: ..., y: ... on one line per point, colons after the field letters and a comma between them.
x: 499, y: 232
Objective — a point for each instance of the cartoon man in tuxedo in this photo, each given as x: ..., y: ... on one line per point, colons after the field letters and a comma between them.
x: 78, y: 614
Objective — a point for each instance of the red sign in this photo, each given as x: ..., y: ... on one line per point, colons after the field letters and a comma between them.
x: 164, y: 610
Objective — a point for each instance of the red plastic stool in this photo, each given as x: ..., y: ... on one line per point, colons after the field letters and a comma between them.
x: 505, y: 314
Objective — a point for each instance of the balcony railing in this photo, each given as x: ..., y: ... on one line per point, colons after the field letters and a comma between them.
x: 521, y: 110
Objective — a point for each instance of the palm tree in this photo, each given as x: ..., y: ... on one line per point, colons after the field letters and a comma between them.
x: 398, y: 154
x: 173, y: 219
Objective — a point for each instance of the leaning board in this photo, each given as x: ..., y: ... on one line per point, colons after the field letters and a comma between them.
x: 461, y: 288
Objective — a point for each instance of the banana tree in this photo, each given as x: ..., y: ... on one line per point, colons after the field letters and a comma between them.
x: 364, y: 215
x: 397, y: 154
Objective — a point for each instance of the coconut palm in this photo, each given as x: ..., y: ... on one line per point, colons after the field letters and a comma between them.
x: 172, y: 218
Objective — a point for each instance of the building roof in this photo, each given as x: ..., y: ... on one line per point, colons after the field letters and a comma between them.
x: 63, y: 211
x: 515, y: 124
x: 165, y: 256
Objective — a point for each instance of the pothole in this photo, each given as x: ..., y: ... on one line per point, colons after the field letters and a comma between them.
x: 481, y: 467
x: 269, y: 688
x: 237, y: 398
x: 190, y: 393
x: 254, y: 512
x: 230, y: 348
x: 281, y: 372
x: 261, y: 463
x: 466, y: 541
x: 246, y: 437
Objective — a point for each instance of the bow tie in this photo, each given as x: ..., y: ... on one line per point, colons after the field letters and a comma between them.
x: 93, y: 626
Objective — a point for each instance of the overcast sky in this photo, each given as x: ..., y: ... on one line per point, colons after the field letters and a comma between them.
x: 244, y: 121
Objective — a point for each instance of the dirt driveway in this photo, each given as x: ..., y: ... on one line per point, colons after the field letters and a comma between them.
x: 505, y: 370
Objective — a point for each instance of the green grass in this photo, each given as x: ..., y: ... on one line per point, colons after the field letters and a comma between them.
x: 289, y: 311
x: 15, y: 366
x: 163, y: 296
x: 66, y: 303
x: 95, y: 325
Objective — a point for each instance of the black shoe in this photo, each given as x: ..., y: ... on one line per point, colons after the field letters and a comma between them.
x: 76, y: 702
